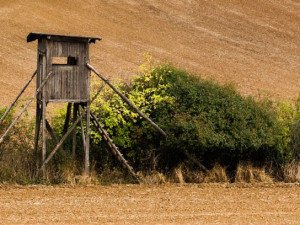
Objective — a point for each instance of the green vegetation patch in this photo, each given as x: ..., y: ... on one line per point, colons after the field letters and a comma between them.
x: 207, y: 125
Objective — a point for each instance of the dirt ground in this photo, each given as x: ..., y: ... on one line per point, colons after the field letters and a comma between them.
x: 140, y: 204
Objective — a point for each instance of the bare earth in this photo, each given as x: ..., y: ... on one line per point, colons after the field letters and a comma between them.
x: 139, y: 204
x: 253, y: 44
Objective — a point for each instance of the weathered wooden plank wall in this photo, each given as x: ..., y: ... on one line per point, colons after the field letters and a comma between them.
x: 70, y: 83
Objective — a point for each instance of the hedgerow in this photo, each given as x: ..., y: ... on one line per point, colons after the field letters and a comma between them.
x: 205, y: 122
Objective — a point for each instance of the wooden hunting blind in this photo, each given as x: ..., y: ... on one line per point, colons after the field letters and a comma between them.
x: 64, y: 75
x: 66, y: 57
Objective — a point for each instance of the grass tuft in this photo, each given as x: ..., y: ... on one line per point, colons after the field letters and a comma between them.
x: 216, y: 175
x: 246, y: 173
x: 291, y: 172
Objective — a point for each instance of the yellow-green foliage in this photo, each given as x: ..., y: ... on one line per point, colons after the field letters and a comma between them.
x: 295, y: 130
x: 289, y: 117
x: 122, y: 123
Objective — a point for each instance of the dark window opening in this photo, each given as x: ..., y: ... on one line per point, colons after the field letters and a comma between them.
x: 72, y: 61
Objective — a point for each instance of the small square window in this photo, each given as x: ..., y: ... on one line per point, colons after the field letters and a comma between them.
x: 72, y: 61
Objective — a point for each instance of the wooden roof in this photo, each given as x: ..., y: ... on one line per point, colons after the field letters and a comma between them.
x: 33, y: 36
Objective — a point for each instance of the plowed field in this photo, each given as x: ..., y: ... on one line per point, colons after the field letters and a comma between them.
x: 253, y: 44
x: 165, y: 204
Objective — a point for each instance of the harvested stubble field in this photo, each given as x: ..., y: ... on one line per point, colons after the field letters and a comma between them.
x: 162, y: 204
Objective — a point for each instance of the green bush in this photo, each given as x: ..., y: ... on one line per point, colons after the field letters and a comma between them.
x: 135, y: 137
x: 205, y: 122
x: 215, y: 123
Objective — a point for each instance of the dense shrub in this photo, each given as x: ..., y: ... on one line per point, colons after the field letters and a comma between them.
x: 204, y: 121
x: 135, y: 137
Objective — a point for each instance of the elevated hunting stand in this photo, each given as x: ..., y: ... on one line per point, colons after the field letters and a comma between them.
x: 64, y: 75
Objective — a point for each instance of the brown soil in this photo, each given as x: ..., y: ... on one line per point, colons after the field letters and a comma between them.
x: 166, y: 204
x: 253, y: 44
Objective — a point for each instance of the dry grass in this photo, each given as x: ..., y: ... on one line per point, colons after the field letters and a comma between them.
x: 154, y: 177
x: 291, y: 172
x: 73, y: 175
x: 193, y: 176
x: 183, y: 174
x: 216, y: 175
x: 245, y: 172
x: 179, y: 175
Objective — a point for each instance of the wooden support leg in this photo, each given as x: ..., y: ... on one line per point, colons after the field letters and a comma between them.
x: 37, y: 130
x: 67, y: 120
x: 52, y: 134
x: 44, y: 140
x: 87, y: 141
x: 44, y: 148
x: 75, y: 112
x: 83, y: 135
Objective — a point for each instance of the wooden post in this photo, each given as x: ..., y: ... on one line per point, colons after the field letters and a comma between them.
x: 52, y: 134
x: 82, y: 135
x: 44, y: 148
x: 37, y: 130
x: 67, y: 120
x: 87, y: 141
x: 75, y: 111
x: 44, y: 138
